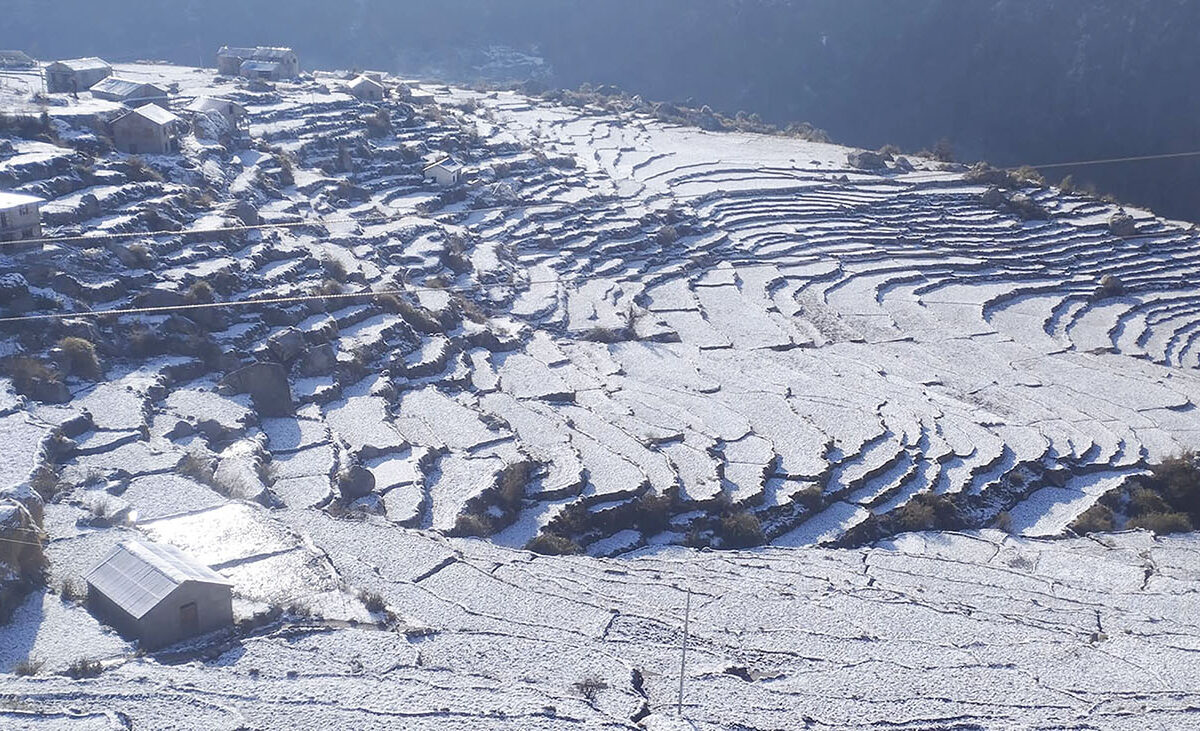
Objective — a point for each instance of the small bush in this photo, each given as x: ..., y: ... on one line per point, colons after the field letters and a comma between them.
x: 26, y: 372
x: 1004, y: 522
x: 84, y: 668
x: 197, y: 467
x: 201, y: 292
x: 590, y: 687
x: 138, y: 171
x: 741, y: 530
x: 928, y: 512
x: 29, y: 666
x: 1096, y: 519
x: 79, y: 357
x: 1162, y: 523
x: 373, y: 601
x: 334, y: 268
x: 46, y: 483
x: 140, y: 254
x: 667, y: 235
x: 73, y: 590
x: 552, y: 544
x: 472, y: 525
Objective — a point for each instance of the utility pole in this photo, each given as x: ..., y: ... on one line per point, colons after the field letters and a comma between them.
x: 683, y: 655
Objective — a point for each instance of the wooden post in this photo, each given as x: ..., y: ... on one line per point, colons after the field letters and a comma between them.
x: 683, y: 655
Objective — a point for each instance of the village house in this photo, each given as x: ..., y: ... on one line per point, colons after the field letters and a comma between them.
x: 366, y: 88
x: 446, y: 172
x: 16, y: 60
x: 20, y: 217
x: 212, y: 116
x: 147, y: 130
x: 76, y: 75
x: 158, y: 595
x: 262, y: 62
x: 130, y: 93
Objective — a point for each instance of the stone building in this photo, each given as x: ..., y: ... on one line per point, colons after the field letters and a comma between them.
x: 366, y: 88
x: 147, y: 130
x: 262, y: 62
x: 76, y: 75
x: 20, y: 217
x: 446, y: 172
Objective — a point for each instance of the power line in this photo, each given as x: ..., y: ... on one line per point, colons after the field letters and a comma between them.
x: 285, y: 299
x: 1114, y: 160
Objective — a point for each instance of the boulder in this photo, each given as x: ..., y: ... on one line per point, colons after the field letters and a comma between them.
x: 267, y: 384
x: 286, y: 345
x: 355, y: 482
x: 318, y: 361
x: 866, y: 160
x: 1123, y: 225
x: 246, y: 213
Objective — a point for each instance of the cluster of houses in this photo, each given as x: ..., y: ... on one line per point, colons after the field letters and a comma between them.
x: 149, y: 127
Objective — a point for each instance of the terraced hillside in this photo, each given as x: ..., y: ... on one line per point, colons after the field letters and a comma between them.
x: 620, y: 332
x: 620, y: 335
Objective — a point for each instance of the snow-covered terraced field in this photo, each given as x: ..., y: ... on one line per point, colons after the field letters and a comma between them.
x: 617, y: 336
x: 931, y: 631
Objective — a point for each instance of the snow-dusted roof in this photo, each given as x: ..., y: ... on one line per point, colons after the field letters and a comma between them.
x: 155, y: 114
x: 213, y: 104
x: 446, y: 163
x: 15, y: 58
x: 137, y: 576
x: 261, y: 53
x: 362, y: 81
x: 16, y: 200
x: 126, y: 88
x: 83, y: 64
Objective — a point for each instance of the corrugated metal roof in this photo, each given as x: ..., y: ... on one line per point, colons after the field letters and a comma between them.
x: 446, y: 163
x: 84, y: 64
x: 137, y: 576
x: 127, y: 89
x: 15, y: 200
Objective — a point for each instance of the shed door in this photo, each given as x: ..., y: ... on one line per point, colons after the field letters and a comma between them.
x: 189, y: 619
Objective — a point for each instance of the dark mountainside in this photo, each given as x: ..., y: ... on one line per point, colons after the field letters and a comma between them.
x: 1009, y: 81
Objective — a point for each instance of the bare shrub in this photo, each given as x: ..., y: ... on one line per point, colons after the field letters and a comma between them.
x: 1096, y: 519
x: 1162, y: 523
x: 85, y: 668
x: 79, y: 357
x: 31, y: 665
x: 590, y: 687
x: 741, y: 530
x: 552, y: 544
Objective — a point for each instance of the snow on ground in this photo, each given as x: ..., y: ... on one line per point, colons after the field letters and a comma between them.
x: 655, y: 329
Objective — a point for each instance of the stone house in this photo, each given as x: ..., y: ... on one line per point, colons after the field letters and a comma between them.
x: 367, y: 89
x: 158, y: 594
x: 130, y: 93
x: 16, y: 60
x: 147, y: 130
x: 261, y: 62
x: 20, y: 217
x: 76, y: 75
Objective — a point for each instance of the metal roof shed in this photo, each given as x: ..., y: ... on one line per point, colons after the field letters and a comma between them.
x: 158, y: 594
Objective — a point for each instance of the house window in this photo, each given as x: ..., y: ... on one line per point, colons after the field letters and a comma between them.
x: 27, y: 233
x: 3, y: 219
